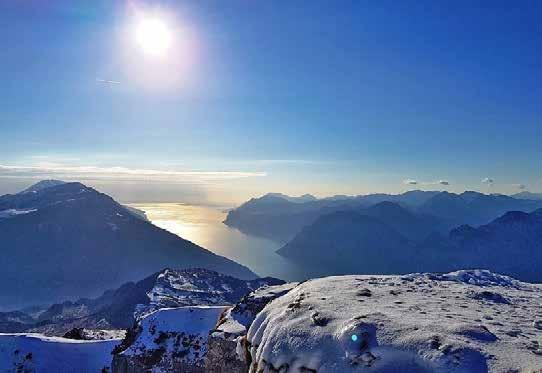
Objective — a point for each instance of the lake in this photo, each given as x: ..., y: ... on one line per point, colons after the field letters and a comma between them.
x: 203, y: 226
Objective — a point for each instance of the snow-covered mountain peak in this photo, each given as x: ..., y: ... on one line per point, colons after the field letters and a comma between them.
x: 41, y: 185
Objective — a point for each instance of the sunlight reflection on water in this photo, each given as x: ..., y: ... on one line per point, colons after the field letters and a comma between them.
x: 203, y: 226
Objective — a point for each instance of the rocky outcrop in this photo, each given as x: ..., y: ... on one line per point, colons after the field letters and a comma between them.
x: 171, y: 340
x: 194, y: 339
x: 222, y: 357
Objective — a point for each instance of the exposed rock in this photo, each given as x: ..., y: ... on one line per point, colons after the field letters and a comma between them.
x: 171, y: 340
x: 228, y: 348
x: 83, y: 334
x: 489, y: 296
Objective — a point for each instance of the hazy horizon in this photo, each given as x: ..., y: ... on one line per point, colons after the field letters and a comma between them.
x: 160, y: 193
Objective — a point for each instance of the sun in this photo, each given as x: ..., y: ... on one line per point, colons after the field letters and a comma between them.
x: 153, y: 36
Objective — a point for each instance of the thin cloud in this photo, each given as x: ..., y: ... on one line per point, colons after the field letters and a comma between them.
x: 521, y: 186
x: 108, y: 81
x: 120, y: 173
x: 416, y: 182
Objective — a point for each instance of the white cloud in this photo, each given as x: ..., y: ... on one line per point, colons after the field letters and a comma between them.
x: 416, y: 182
x: 107, y: 81
x: 53, y: 170
x: 488, y: 180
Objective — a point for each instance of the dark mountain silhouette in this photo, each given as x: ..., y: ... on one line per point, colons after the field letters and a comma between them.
x: 416, y: 227
x: 276, y: 217
x: 69, y: 241
x: 510, y: 245
x: 349, y: 242
x: 474, y: 208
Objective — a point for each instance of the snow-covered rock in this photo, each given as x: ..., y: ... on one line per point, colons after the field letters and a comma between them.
x: 237, y: 319
x: 197, y: 287
x: 227, y: 343
x: 170, y: 299
x: 194, y: 338
x: 41, y: 185
x: 37, y: 353
x: 15, y: 212
x: 83, y: 334
x: 170, y: 339
x: 466, y: 321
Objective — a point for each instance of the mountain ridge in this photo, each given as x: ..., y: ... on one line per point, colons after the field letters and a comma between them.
x: 79, y: 242
x: 278, y: 219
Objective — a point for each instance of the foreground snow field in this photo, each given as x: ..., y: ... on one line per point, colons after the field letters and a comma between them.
x: 466, y: 321
x: 37, y: 353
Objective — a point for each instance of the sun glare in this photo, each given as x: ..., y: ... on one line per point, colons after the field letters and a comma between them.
x: 153, y: 36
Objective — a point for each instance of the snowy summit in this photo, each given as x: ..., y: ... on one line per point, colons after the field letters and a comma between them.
x: 466, y: 321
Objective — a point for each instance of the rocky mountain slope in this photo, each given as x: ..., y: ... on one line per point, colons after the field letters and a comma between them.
x: 69, y: 241
x: 196, y: 287
x: 119, y: 308
x: 193, y: 338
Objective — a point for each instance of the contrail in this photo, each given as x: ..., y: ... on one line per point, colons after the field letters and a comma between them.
x: 106, y: 81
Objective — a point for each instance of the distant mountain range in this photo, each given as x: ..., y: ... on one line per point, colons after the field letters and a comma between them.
x: 65, y: 241
x: 413, y: 232
x: 120, y: 308
x: 350, y: 242
x: 528, y: 195
x: 278, y: 218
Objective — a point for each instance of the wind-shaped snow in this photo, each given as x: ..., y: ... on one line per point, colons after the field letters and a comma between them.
x: 466, y: 321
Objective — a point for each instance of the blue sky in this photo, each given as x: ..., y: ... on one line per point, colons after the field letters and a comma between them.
x: 326, y: 97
